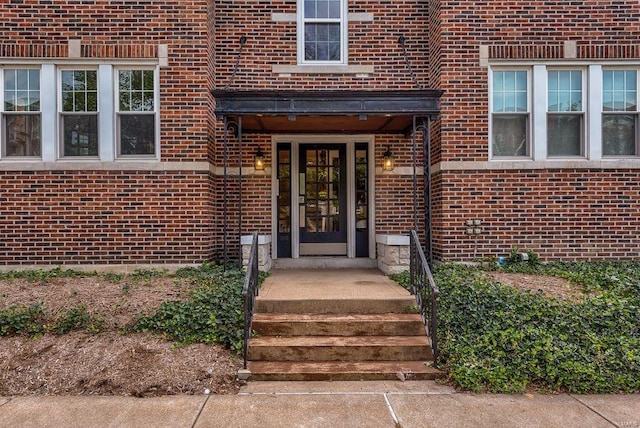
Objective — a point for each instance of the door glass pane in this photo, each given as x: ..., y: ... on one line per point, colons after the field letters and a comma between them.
x: 322, y: 190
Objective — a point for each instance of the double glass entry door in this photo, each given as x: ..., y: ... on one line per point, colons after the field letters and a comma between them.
x: 314, y: 187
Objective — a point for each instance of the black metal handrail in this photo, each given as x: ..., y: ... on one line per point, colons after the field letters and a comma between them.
x: 424, y: 288
x: 249, y: 294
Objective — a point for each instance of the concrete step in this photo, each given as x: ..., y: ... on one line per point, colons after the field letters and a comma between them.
x: 273, y: 324
x: 399, y: 304
x: 338, y: 370
x: 340, y: 348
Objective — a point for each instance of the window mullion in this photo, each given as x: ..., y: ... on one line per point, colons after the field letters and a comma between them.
x: 539, y: 113
x: 48, y: 112
x: 106, y: 113
x: 593, y: 115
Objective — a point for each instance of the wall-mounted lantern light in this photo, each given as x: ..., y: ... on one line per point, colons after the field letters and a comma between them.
x: 258, y: 160
x: 388, y: 163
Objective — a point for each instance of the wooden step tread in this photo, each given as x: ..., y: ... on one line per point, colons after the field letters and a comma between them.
x: 345, y: 341
x: 311, y: 317
x: 335, y: 306
x: 338, y: 370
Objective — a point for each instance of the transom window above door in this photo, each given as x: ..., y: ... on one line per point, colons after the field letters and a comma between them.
x: 322, y: 32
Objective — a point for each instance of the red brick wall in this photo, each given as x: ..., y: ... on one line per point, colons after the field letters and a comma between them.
x: 256, y: 193
x: 274, y: 43
x: 84, y: 217
x: 395, y: 193
x: 123, y: 216
x: 561, y: 214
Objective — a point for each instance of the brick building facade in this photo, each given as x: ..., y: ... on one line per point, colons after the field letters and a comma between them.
x: 567, y: 201
x: 124, y: 123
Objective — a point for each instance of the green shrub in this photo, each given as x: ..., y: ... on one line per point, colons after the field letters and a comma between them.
x: 402, y: 278
x: 77, y: 318
x: 493, y: 337
x: 42, y: 275
x: 213, y: 314
x: 34, y: 320
x: 20, y: 319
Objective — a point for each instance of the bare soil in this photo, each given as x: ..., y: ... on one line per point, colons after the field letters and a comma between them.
x: 550, y: 286
x: 108, y: 362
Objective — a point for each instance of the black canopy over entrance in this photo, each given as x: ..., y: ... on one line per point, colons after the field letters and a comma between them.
x: 383, y: 112
x: 343, y: 112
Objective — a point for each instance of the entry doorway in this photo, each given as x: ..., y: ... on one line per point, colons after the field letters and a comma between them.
x: 323, y: 197
x: 322, y: 200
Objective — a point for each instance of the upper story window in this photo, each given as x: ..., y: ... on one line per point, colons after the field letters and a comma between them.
x: 79, y: 112
x: 565, y: 113
x: 619, y: 113
x: 510, y: 113
x: 322, y: 32
x: 136, y: 127
x: 21, y: 118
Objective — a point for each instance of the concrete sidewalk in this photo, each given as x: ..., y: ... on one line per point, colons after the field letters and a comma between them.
x: 327, y: 404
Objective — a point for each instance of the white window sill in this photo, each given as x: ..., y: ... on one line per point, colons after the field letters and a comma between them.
x: 118, y: 165
x: 292, y: 17
x: 323, y: 69
x: 502, y: 164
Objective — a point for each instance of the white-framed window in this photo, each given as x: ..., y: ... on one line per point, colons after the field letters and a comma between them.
x: 619, y: 112
x: 510, y: 113
x: 136, y: 112
x: 79, y: 110
x: 322, y: 32
x: 565, y: 113
x: 78, y: 105
x: 21, y: 113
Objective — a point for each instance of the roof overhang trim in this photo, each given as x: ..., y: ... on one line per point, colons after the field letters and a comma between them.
x: 329, y: 103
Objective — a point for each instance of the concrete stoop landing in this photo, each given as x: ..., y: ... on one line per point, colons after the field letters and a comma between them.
x: 339, y: 324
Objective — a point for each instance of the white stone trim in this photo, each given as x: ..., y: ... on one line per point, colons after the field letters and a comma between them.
x: 360, y: 17
x: 483, y: 54
x: 292, y: 17
x: 570, y: 49
x: 322, y: 69
x: 284, y: 17
x: 537, y: 165
x: 402, y: 171
x: 119, y: 165
x: 248, y: 239
x: 393, y: 239
x: 247, y: 171
x: 163, y: 55
x: 74, y: 46
x: 116, y: 268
